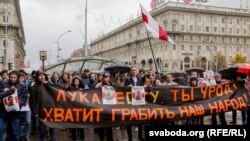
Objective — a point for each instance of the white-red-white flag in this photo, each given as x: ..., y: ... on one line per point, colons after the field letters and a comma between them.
x: 154, y: 27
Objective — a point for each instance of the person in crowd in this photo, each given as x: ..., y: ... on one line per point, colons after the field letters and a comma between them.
x: 4, y: 75
x: 65, y: 80
x: 120, y: 83
x: 234, y: 112
x: 169, y: 81
x: 33, y: 118
x: 157, y: 82
x: 12, y: 118
x: 85, y: 76
x: 149, y: 72
x: 108, y: 130
x: 41, y: 79
x: 134, y: 80
x: 26, y: 116
x: 49, y: 76
x: 194, y: 74
x: 77, y: 84
x: 148, y: 83
x: 142, y: 75
x: 121, y: 80
x: 33, y: 77
x: 92, y: 80
x: 152, y: 80
x: 247, y: 86
x: 193, y: 82
x: 99, y: 78
x: 75, y: 74
x: 157, y: 75
x: 55, y: 78
x: 221, y: 115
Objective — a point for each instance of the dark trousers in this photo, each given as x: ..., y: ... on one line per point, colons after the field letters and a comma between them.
x: 129, y: 131
x: 33, y: 124
x: 75, y: 131
x: 108, y: 131
x: 222, y: 119
x: 243, y: 116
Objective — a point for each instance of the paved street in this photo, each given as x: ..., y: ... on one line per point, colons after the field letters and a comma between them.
x: 121, y: 134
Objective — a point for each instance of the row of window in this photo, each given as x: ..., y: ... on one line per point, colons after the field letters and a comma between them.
x: 209, y: 39
x: 209, y: 18
x: 196, y: 38
x: 207, y: 29
x: 215, y: 48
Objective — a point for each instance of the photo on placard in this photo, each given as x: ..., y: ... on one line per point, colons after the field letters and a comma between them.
x: 108, y: 95
x: 11, y: 103
x: 138, y: 95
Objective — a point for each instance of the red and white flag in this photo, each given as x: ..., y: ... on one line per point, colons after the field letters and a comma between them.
x: 154, y: 27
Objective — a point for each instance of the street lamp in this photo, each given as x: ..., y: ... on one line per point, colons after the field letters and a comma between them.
x: 58, y: 47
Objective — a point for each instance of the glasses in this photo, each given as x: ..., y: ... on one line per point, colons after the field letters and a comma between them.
x: 13, y: 77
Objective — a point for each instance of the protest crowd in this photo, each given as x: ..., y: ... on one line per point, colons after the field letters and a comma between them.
x: 15, y: 125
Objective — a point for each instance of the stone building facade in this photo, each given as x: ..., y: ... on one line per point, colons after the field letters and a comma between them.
x: 199, y: 33
x: 12, y: 38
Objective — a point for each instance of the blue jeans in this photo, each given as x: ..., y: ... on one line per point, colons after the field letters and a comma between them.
x: 52, y: 132
x: 14, y: 128
x: 26, y: 119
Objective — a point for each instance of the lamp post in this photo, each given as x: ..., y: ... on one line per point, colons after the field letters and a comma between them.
x: 86, y: 33
x: 58, y: 44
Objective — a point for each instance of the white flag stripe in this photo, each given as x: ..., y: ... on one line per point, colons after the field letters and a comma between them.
x: 152, y: 26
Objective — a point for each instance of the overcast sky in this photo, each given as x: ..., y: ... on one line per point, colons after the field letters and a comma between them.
x: 45, y: 20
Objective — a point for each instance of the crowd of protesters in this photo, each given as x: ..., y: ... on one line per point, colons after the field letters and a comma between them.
x: 21, y: 125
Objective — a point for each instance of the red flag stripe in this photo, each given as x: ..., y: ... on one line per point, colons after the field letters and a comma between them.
x: 162, y: 34
x: 145, y: 18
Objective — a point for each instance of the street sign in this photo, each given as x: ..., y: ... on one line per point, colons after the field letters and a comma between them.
x: 43, y: 55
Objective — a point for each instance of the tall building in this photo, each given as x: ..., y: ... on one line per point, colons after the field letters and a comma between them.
x: 12, y: 39
x: 199, y: 33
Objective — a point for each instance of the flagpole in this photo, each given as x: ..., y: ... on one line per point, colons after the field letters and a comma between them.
x: 151, y: 50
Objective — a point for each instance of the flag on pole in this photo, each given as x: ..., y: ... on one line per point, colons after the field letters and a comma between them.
x: 154, y: 27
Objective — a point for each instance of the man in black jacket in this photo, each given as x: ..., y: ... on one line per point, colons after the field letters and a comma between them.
x: 12, y: 118
x: 107, y: 130
x: 131, y: 81
x: 41, y: 78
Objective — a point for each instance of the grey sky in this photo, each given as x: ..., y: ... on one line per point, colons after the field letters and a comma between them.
x: 45, y: 20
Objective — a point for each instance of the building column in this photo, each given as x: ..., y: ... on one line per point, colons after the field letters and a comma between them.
x: 206, y: 65
x: 183, y: 65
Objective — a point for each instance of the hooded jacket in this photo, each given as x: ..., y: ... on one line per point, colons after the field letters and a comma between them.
x: 34, y: 93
